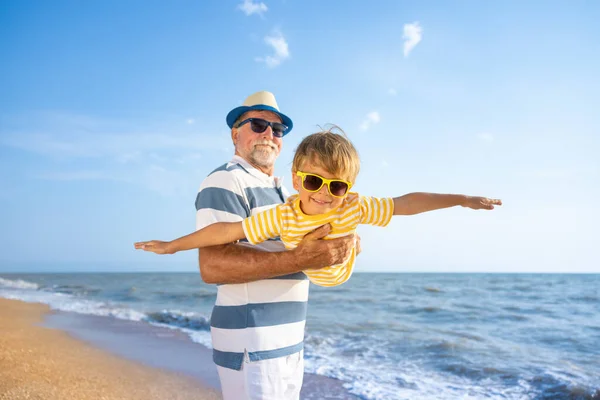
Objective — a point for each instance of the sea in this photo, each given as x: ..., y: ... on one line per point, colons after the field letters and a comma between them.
x: 378, y: 336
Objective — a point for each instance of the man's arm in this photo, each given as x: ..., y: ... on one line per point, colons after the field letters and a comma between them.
x: 416, y: 203
x: 240, y: 264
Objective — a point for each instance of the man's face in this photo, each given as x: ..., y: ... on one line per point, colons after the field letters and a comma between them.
x: 259, y: 149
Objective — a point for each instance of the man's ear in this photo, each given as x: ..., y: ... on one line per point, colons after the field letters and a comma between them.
x: 234, y: 135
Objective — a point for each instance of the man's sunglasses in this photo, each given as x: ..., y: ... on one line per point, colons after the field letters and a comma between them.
x: 314, y: 183
x: 260, y: 125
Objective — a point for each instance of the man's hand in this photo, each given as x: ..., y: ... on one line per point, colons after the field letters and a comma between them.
x: 481, y: 203
x: 155, y: 246
x: 314, y: 253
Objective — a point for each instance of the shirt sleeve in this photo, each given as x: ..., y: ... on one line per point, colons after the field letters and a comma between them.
x: 263, y: 226
x: 376, y: 211
x: 220, y: 199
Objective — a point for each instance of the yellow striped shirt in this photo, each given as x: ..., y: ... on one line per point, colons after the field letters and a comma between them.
x: 289, y: 223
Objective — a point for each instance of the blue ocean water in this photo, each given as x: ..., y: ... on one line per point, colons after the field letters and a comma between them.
x: 389, y: 336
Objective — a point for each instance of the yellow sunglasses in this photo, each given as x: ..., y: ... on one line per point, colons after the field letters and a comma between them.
x: 314, y: 183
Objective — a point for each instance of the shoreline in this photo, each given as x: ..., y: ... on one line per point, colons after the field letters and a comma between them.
x: 40, y: 362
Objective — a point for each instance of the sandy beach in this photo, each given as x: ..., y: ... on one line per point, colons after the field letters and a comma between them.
x: 43, y: 363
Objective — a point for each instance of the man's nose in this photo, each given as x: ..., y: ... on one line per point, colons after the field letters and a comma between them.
x: 268, y: 133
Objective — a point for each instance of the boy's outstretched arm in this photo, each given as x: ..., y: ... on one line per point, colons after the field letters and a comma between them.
x: 416, y: 203
x: 212, y: 235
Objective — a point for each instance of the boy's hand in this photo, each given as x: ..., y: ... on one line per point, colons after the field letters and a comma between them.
x: 481, y: 203
x: 155, y: 246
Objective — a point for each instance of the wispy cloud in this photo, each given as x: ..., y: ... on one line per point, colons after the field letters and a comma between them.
x: 78, y: 148
x: 280, y: 47
x: 486, y: 137
x: 371, y: 119
x: 392, y: 92
x: 412, y: 35
x: 121, y: 146
x: 249, y: 7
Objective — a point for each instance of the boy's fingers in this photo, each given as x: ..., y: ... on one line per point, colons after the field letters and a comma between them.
x: 497, y: 202
x: 148, y: 246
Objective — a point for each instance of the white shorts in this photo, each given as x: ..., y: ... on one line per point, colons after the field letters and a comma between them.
x: 273, y: 379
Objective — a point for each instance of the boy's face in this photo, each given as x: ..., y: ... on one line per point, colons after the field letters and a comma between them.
x: 319, y: 202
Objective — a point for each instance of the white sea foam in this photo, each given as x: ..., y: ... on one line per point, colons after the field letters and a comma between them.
x: 200, y: 337
x: 398, y: 380
x: 182, y: 320
x: 28, y: 292
x: 17, y: 284
x: 66, y: 302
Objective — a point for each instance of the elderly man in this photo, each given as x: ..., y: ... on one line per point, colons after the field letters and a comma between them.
x: 257, y: 324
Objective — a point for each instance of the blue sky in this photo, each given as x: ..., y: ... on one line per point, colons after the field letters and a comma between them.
x: 112, y: 113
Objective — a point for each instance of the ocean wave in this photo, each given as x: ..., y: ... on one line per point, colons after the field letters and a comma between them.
x: 585, y: 298
x: 194, y: 325
x: 184, y: 297
x: 552, y: 387
x: 406, y: 342
x: 180, y: 319
x: 18, y: 284
x: 76, y: 290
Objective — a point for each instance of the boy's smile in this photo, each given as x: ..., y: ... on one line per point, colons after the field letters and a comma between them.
x: 320, y: 202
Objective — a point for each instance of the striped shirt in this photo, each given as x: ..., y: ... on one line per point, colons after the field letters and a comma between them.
x: 288, y: 222
x: 263, y: 319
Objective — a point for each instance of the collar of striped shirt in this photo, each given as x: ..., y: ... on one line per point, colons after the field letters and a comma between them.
x: 278, y: 180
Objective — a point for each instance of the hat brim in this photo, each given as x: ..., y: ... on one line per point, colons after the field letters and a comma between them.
x: 238, y: 111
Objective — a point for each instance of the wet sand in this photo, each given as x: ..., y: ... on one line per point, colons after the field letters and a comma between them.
x: 37, y: 362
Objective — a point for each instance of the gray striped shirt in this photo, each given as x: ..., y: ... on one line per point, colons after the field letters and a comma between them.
x: 265, y: 318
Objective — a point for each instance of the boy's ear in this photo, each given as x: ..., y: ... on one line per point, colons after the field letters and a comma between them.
x: 296, y: 181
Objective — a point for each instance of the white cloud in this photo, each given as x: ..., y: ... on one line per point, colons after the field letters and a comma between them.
x: 392, y: 92
x: 249, y: 8
x: 280, y: 46
x: 371, y: 119
x: 113, y: 150
x: 190, y: 121
x: 189, y: 159
x: 412, y: 36
x: 486, y: 137
x: 123, y: 147
x: 132, y: 157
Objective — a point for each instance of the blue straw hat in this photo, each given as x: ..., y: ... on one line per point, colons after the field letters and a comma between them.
x: 259, y: 101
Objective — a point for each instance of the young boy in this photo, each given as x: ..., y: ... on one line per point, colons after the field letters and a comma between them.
x: 324, y: 169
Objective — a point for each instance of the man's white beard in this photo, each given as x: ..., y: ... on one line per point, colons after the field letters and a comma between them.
x: 263, y: 157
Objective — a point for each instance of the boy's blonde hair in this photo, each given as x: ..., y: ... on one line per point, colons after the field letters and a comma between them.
x: 331, y: 151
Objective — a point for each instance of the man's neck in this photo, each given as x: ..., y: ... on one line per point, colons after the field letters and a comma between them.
x: 265, y: 170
